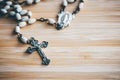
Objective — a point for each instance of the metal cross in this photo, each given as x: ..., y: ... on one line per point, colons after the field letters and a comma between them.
x: 37, y: 47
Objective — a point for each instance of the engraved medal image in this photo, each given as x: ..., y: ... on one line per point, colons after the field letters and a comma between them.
x: 64, y: 20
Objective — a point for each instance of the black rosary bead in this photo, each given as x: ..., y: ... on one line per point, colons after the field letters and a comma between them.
x: 76, y: 10
x: 42, y: 19
x: 62, y: 8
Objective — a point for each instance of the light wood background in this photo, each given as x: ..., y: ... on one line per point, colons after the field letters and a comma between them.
x: 87, y: 50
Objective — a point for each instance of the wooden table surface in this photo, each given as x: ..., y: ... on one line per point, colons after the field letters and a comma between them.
x: 87, y: 50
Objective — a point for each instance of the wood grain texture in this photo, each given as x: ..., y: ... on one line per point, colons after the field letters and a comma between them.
x: 87, y: 50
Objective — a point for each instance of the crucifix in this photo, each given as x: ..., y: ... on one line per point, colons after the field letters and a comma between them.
x: 36, y: 47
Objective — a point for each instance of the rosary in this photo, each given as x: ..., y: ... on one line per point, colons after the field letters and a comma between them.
x: 13, y: 9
